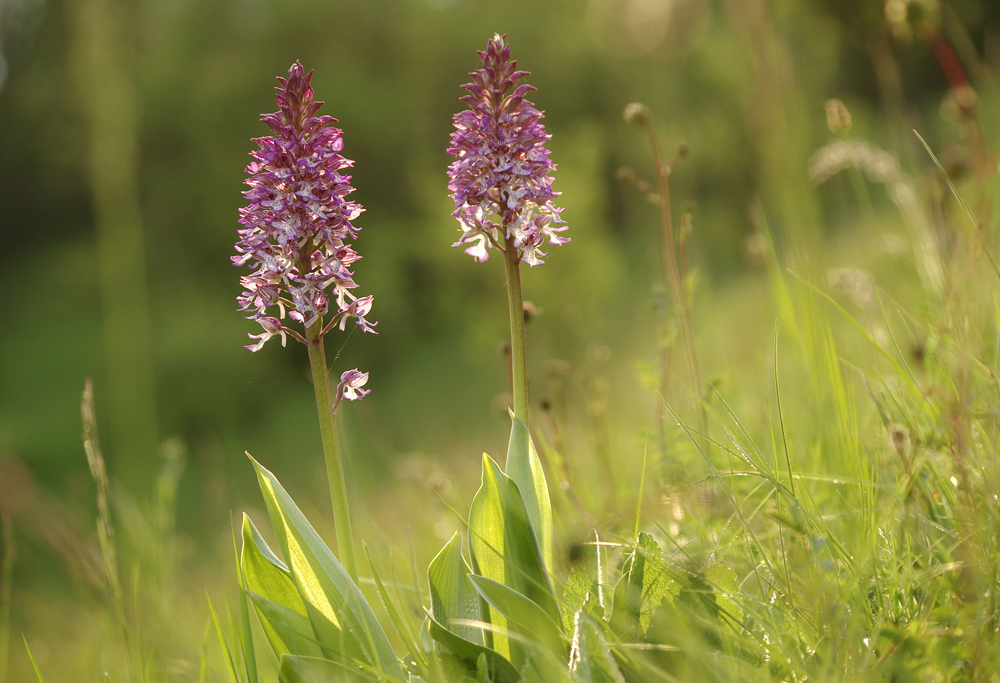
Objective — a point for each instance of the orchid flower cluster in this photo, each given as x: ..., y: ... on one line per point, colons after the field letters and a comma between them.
x: 297, y: 224
x: 500, y: 178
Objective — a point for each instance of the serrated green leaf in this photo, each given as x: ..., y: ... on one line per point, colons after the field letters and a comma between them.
x: 590, y: 658
x: 583, y: 587
x: 649, y: 581
x: 288, y: 631
x: 452, y: 595
x: 299, y: 669
x: 499, y: 667
x: 504, y: 548
x: 335, y: 606
x: 727, y: 586
x: 521, y: 611
x: 525, y: 468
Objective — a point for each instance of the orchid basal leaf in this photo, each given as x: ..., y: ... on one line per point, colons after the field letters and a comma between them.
x: 341, y: 617
x: 525, y: 468
x: 501, y: 669
x: 530, y: 618
x: 454, y: 601
x: 504, y: 549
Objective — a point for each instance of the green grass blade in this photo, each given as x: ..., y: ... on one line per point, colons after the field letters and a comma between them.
x: 38, y: 674
x: 299, y: 669
x: 961, y: 202
x: 203, y: 665
x: 401, y: 625
x: 223, y: 643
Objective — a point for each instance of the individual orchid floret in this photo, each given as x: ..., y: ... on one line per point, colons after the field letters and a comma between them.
x: 500, y: 179
x: 350, y: 387
x: 297, y: 226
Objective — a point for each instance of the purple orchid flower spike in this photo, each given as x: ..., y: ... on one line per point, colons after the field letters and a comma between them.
x: 298, y: 223
x: 500, y: 179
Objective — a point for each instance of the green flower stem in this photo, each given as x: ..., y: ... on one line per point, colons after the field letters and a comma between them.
x: 518, y: 354
x: 331, y: 448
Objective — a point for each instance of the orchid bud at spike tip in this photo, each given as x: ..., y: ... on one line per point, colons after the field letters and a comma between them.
x: 500, y: 179
x: 297, y: 226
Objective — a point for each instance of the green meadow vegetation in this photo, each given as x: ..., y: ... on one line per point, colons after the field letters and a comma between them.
x: 740, y: 425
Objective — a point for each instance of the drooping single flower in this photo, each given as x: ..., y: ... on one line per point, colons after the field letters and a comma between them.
x: 297, y: 225
x: 500, y: 179
x: 350, y: 387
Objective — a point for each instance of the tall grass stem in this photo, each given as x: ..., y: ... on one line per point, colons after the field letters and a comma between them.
x: 671, y: 262
x: 105, y: 530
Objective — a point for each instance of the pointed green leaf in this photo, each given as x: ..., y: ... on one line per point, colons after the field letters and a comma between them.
x: 299, y: 669
x: 525, y: 468
x: 268, y: 577
x: 532, y: 619
x: 504, y: 549
x: 31, y: 657
x: 452, y: 595
x: 333, y: 602
x: 246, y: 635
x: 584, y: 585
x: 470, y: 653
x: 287, y: 630
x: 649, y: 581
x: 264, y: 573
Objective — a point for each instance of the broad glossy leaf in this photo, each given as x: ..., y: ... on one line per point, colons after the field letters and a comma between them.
x: 268, y: 577
x: 264, y: 573
x: 525, y: 468
x: 288, y: 631
x: 341, y: 617
x: 504, y: 549
x: 529, y: 616
x: 470, y: 653
x: 452, y: 595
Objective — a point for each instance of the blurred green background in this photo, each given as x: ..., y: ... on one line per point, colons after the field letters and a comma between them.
x: 124, y: 131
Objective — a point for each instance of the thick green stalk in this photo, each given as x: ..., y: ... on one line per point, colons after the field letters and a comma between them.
x: 331, y: 448
x: 518, y: 353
